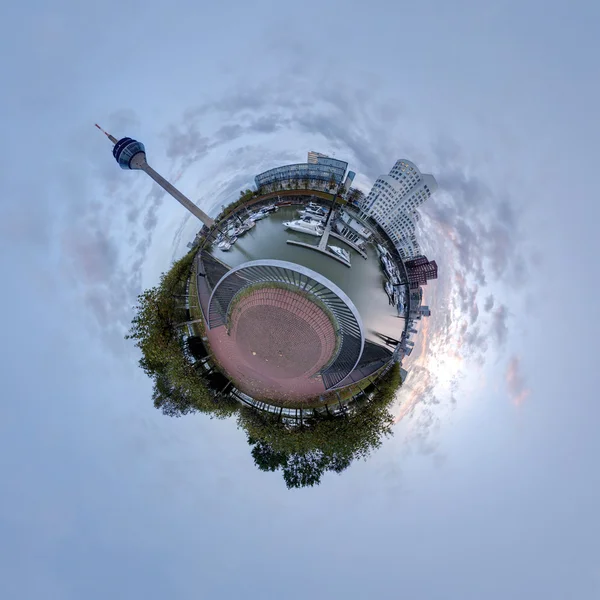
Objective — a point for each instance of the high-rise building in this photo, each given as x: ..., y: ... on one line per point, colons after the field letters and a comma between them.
x: 420, y: 270
x: 349, y: 179
x: 419, y: 311
x: 419, y: 261
x: 393, y: 202
x: 131, y: 154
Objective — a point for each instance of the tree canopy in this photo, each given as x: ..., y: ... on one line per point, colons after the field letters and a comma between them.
x: 321, y: 443
x: 355, y: 196
x: 178, y: 386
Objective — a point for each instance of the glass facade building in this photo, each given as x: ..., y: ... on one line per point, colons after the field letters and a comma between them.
x: 324, y: 169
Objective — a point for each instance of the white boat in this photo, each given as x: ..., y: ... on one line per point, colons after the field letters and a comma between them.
x: 305, y: 226
x: 316, y: 217
x: 248, y: 224
x: 314, y: 207
x: 341, y: 252
x: 269, y: 209
x: 257, y: 216
x: 389, y: 288
x: 224, y: 245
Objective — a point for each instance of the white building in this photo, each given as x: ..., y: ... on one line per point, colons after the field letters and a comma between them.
x: 393, y: 202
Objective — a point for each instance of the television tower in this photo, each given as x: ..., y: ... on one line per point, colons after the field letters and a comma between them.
x: 131, y: 154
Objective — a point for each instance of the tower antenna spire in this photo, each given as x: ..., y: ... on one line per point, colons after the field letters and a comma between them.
x: 110, y: 137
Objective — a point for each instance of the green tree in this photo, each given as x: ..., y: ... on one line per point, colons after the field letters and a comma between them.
x: 323, y: 442
x: 265, y: 458
x: 178, y: 386
x: 355, y: 196
x: 332, y: 182
x: 304, y: 470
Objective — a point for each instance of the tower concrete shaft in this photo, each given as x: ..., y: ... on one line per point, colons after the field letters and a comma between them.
x: 131, y: 154
x: 171, y: 189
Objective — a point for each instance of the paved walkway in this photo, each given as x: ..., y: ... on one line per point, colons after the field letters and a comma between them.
x: 325, y: 236
x: 277, y: 342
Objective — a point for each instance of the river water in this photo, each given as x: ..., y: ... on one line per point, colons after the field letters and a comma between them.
x: 363, y: 282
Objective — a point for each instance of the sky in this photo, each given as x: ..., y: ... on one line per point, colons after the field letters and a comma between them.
x: 489, y: 487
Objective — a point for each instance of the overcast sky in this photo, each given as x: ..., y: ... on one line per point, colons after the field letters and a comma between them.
x: 490, y: 486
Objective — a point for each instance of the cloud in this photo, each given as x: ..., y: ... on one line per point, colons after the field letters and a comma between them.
x: 228, y: 133
x: 467, y: 297
x: 470, y: 226
x: 481, y: 227
x: 92, y: 253
x: 185, y: 143
x: 106, y: 228
x: 122, y: 120
x: 515, y: 382
x: 499, y: 327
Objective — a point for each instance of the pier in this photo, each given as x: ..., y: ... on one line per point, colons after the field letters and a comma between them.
x: 321, y: 250
x: 352, y: 245
x: 322, y: 245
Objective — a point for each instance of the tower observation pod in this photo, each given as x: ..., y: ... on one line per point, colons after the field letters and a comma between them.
x: 131, y: 154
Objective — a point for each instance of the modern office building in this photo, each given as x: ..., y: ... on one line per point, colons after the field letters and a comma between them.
x: 420, y: 270
x: 131, y: 154
x: 320, y: 170
x: 393, y: 202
